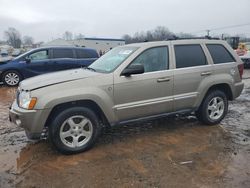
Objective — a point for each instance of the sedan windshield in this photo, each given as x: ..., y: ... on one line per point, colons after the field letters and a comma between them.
x: 111, y: 60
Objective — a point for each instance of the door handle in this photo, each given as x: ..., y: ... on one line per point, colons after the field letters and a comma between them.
x: 206, y: 73
x: 163, y: 79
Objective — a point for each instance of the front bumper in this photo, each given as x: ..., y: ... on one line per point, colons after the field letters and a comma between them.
x: 33, y: 121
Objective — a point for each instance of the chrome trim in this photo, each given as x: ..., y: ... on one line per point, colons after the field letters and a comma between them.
x: 154, y: 101
x: 185, y: 96
x: 143, y: 103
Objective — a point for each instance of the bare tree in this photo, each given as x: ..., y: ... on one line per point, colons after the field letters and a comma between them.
x: 13, y: 37
x: 68, y: 35
x: 79, y: 36
x: 159, y: 33
x: 28, y: 40
x: 184, y: 35
x: 162, y: 33
x: 127, y: 38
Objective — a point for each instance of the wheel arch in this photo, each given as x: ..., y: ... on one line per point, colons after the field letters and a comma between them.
x: 12, y: 69
x: 80, y: 103
x: 224, y: 87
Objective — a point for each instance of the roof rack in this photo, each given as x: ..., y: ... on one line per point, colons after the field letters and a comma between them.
x: 189, y: 38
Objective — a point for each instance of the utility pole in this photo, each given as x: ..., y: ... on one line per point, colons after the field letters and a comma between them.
x: 208, y: 31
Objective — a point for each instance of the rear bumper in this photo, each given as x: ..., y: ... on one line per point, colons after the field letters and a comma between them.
x: 238, y: 87
x: 246, y: 63
x: 33, y: 121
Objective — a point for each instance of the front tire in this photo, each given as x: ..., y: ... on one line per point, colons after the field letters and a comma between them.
x: 12, y: 78
x: 74, y: 130
x: 213, y: 108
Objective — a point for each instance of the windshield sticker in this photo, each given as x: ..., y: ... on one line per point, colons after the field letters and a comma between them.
x: 125, y: 52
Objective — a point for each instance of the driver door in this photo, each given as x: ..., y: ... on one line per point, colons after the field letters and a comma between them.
x: 38, y: 62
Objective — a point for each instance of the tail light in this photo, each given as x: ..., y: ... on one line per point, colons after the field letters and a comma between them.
x: 241, y: 69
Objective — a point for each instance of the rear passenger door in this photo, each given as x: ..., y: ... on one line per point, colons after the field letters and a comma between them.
x: 63, y: 58
x: 191, y: 69
x: 224, y: 62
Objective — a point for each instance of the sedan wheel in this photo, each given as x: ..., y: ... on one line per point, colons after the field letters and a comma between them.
x: 11, y: 78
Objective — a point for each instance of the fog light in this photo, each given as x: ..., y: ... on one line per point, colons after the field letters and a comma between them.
x: 18, y: 122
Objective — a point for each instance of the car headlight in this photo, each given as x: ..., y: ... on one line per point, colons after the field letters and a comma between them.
x: 26, y: 101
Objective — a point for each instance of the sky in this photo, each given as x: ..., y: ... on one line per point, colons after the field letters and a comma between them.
x: 45, y: 20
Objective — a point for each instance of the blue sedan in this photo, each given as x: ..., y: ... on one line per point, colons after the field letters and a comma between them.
x: 45, y: 60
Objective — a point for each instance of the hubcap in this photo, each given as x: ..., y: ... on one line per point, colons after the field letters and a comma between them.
x: 76, y: 131
x: 216, y: 108
x: 12, y: 79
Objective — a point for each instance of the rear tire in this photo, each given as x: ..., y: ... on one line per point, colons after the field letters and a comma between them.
x: 11, y: 78
x: 213, y: 108
x: 74, y: 130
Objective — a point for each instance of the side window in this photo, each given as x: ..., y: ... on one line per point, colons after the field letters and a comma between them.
x: 153, y: 59
x: 63, y: 53
x: 81, y: 53
x: 220, y: 54
x: 189, y: 56
x: 40, y: 55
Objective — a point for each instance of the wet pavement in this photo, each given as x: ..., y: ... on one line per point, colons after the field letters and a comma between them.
x: 169, y: 152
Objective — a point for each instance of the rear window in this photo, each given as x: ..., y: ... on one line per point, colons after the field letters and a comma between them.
x: 82, y: 53
x: 220, y: 54
x: 63, y: 53
x: 189, y: 56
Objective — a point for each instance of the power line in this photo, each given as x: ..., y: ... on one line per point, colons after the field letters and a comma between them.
x: 220, y: 28
x: 232, y: 26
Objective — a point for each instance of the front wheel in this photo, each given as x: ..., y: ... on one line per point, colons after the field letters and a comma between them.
x: 74, y: 130
x: 213, y: 108
x: 11, y: 78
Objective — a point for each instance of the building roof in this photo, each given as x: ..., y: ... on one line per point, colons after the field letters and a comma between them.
x: 106, y: 39
x: 58, y: 42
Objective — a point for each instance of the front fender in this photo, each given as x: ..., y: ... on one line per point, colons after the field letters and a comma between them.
x: 102, y: 97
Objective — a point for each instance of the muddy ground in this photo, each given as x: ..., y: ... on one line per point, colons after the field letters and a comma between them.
x: 170, y: 152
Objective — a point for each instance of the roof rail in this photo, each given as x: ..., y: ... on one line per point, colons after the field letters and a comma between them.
x: 189, y: 38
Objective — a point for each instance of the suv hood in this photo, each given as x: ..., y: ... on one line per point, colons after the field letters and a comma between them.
x: 56, y: 78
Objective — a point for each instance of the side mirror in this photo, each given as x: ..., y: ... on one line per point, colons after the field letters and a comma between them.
x: 27, y: 60
x: 133, y: 69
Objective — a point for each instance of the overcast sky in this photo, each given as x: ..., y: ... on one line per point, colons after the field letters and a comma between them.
x: 48, y: 19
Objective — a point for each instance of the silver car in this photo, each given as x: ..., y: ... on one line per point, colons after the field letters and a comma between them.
x: 129, y: 83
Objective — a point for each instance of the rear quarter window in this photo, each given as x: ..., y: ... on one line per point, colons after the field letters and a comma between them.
x: 82, y: 53
x: 220, y: 54
x: 189, y: 55
x: 63, y: 53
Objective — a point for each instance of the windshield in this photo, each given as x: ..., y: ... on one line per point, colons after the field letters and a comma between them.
x: 23, y: 55
x: 111, y: 60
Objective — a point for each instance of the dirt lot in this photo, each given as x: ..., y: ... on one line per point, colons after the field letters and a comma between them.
x: 170, y: 152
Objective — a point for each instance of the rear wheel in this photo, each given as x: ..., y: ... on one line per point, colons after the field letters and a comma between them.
x: 74, y: 130
x: 213, y: 108
x: 11, y: 78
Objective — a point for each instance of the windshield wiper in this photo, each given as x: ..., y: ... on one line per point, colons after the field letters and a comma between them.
x: 89, y: 68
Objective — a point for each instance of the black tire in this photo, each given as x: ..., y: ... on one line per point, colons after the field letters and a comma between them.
x: 203, y: 113
x: 59, y: 121
x: 15, y: 75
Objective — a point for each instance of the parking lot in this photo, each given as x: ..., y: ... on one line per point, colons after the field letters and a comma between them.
x: 174, y: 152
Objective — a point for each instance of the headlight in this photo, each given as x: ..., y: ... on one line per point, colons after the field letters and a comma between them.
x: 26, y: 101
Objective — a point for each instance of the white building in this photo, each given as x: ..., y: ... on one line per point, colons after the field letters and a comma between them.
x: 102, y: 45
